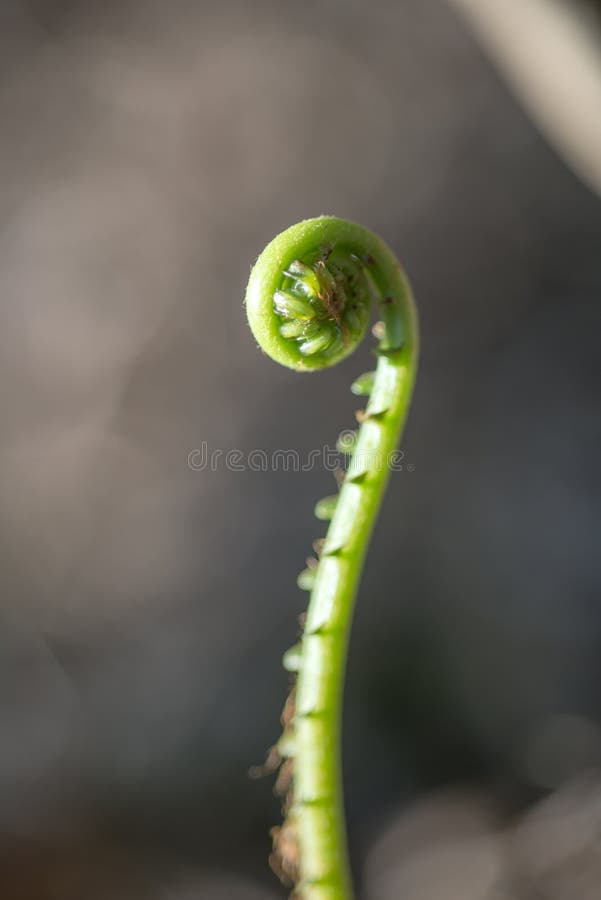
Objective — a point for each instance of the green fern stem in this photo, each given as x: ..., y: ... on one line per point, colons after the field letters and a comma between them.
x: 308, y: 303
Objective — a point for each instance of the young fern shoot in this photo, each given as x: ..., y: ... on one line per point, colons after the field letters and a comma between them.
x: 308, y: 302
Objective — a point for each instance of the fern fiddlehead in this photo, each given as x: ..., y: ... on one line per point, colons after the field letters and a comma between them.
x: 308, y: 302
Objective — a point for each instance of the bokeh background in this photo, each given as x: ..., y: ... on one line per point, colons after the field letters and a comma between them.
x: 149, y: 150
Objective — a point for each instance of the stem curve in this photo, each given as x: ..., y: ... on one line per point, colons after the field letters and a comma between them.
x: 308, y: 304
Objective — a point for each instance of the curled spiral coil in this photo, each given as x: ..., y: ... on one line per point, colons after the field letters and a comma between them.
x: 310, y: 293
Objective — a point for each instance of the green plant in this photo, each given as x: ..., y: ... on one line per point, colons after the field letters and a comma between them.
x: 308, y: 303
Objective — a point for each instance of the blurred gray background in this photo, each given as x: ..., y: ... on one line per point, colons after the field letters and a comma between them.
x: 149, y: 150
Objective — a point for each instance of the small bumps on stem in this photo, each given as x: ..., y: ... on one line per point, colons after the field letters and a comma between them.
x: 308, y: 303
